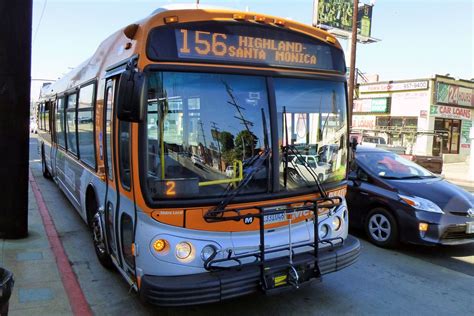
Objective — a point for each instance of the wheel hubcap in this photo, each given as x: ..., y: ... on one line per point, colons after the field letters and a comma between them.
x: 97, y: 233
x: 379, y: 227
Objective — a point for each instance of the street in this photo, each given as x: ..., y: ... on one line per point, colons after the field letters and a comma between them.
x: 410, y: 280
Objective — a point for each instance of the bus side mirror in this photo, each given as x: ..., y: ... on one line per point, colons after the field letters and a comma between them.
x: 131, y: 96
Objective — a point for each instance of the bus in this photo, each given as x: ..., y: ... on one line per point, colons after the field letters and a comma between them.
x: 189, y: 142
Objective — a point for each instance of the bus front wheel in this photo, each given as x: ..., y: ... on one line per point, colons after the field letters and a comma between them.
x: 98, y: 238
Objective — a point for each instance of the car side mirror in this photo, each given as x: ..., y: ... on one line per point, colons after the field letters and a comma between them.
x: 131, y: 96
x: 354, y: 178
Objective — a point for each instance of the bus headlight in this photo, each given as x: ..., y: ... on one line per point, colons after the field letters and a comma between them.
x: 207, y: 252
x: 336, y: 223
x: 323, y: 231
x: 184, y: 250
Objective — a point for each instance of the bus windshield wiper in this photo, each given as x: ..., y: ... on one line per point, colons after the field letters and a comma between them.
x: 295, y: 152
x: 256, y: 162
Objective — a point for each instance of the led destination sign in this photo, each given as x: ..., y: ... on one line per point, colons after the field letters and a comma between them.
x: 199, y: 44
x: 224, y: 43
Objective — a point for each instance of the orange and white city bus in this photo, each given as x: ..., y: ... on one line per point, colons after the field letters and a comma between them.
x: 199, y: 143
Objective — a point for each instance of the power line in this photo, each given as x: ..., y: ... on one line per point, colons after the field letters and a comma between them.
x: 39, y: 22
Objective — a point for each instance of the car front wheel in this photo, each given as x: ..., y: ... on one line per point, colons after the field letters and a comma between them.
x: 381, y: 228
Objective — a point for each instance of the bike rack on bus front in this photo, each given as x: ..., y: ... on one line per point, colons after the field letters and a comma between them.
x: 213, y: 263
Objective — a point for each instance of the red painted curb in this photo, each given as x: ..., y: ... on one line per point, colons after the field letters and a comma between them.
x: 74, y: 292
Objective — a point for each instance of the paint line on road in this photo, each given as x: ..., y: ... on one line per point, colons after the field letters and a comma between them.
x: 74, y: 292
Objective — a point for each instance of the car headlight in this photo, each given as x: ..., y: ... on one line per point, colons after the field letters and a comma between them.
x: 183, y: 250
x: 421, y: 204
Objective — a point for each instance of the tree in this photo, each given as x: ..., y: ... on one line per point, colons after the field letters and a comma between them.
x: 245, y: 144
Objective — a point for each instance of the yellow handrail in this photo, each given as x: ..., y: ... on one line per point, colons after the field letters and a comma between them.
x: 238, y: 178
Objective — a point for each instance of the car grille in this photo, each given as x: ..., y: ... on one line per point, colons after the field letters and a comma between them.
x: 457, y: 232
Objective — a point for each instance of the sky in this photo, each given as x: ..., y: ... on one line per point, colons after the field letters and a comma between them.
x: 418, y: 38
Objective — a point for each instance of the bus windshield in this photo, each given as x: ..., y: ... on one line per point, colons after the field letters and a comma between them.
x: 205, y: 131
x: 202, y: 131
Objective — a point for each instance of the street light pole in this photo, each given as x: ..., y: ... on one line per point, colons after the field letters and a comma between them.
x: 353, y: 60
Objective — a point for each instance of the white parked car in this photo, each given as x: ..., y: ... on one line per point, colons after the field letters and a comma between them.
x: 298, y: 172
x: 229, y: 171
x: 197, y: 160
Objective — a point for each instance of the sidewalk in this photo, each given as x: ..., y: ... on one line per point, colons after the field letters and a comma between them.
x: 458, y: 173
x: 38, y: 288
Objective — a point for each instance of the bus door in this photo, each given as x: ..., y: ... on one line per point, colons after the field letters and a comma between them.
x: 120, y: 206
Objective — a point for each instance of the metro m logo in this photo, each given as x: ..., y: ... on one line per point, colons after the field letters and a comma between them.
x: 248, y: 220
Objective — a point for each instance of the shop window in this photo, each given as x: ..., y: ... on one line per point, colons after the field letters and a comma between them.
x: 398, y: 129
x: 447, y: 143
x: 85, y: 124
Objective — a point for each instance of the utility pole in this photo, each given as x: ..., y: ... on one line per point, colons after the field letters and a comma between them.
x: 353, y: 60
x: 15, y: 65
x: 214, y: 126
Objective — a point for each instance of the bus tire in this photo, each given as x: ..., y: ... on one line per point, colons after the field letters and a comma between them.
x: 381, y: 228
x: 98, y: 239
x: 44, y: 168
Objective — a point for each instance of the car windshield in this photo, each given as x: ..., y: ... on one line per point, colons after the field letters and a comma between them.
x: 391, y: 166
x: 203, y: 131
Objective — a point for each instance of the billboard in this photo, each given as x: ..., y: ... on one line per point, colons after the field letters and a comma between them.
x: 338, y: 14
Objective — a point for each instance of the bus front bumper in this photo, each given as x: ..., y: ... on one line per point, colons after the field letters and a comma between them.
x: 210, y: 287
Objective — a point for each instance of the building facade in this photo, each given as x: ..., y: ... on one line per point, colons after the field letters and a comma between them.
x: 430, y: 116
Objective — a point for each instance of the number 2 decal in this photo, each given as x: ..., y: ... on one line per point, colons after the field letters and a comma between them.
x: 170, y: 188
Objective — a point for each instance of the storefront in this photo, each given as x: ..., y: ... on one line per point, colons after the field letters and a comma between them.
x: 452, y: 111
x: 411, y: 112
x: 394, y: 111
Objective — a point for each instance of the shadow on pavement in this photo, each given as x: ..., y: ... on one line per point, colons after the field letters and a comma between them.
x: 458, y: 258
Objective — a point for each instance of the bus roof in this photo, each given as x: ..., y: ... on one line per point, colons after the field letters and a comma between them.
x: 118, y: 48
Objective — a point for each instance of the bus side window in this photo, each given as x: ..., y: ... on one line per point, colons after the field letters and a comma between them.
x: 61, y: 139
x: 47, y: 106
x: 71, y: 127
x: 126, y: 225
x: 85, y: 124
x: 124, y: 153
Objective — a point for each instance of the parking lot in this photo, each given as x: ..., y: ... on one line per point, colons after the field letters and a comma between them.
x: 415, y: 280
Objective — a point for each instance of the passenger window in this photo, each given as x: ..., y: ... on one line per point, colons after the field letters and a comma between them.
x: 71, y: 124
x: 124, y: 153
x: 61, y: 139
x: 85, y: 124
x: 127, y: 239
x: 47, y: 106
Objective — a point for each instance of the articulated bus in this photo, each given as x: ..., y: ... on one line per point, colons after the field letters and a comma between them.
x: 207, y: 148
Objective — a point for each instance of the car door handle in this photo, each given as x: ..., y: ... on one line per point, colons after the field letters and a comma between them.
x: 364, y: 193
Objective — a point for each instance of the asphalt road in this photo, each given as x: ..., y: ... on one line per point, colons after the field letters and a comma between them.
x: 411, y: 280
